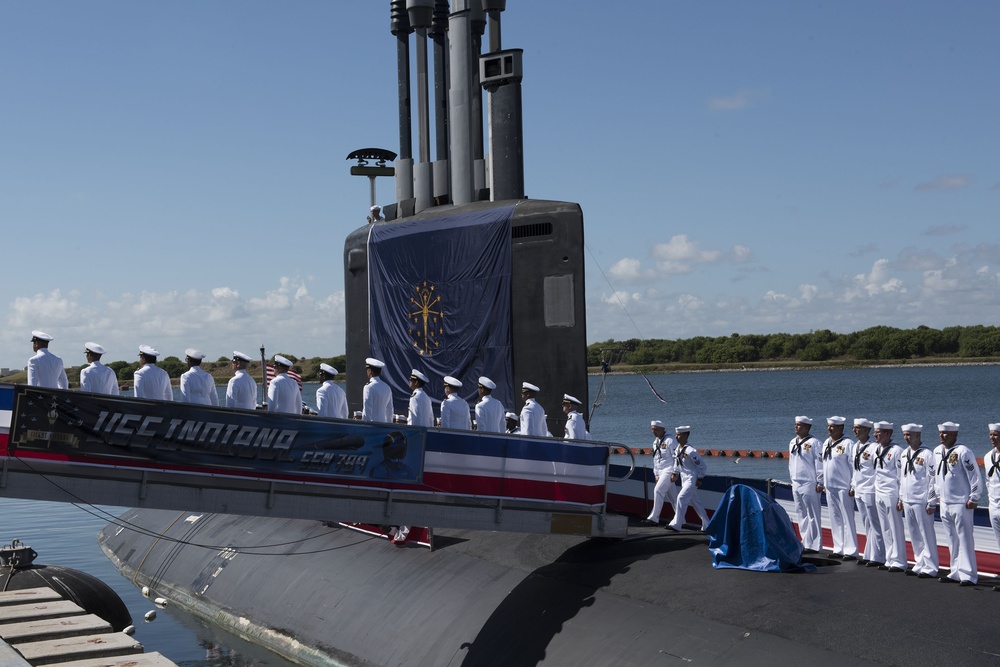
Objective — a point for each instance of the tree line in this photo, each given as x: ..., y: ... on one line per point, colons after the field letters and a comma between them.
x: 872, y: 344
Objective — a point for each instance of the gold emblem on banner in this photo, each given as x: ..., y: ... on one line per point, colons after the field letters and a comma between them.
x: 426, y: 319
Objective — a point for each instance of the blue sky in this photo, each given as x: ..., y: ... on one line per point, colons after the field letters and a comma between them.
x: 174, y: 173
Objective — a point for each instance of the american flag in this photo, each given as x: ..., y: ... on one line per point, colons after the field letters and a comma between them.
x: 295, y: 375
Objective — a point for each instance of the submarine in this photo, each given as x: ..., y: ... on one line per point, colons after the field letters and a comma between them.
x: 466, y: 276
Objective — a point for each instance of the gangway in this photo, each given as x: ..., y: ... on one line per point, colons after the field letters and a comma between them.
x: 70, y: 446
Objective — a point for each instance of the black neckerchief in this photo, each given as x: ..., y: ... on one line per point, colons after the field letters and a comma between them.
x: 880, y: 455
x: 912, y: 454
x: 944, y: 461
x: 827, y: 452
x: 680, y: 454
x: 797, y: 447
x: 995, y: 468
x: 857, y: 455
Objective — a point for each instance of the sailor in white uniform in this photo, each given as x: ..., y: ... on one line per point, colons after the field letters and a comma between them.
x: 420, y: 412
x: 958, y: 489
x: 664, y: 453
x: 691, y: 469
x: 489, y: 411
x: 151, y: 381
x: 197, y: 386
x: 917, y: 500
x: 96, y: 377
x: 283, y: 393
x: 863, y: 492
x: 805, y: 469
x: 241, y: 392
x: 532, y: 414
x: 888, y: 469
x: 991, y: 460
x: 576, y: 427
x: 454, y: 410
x: 45, y: 369
x: 837, y: 472
x: 376, y: 400
x: 331, y: 400
x: 513, y: 423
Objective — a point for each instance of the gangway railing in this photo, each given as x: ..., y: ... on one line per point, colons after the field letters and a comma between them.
x: 71, y: 446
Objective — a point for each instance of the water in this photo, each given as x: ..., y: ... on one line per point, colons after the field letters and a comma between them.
x: 726, y: 410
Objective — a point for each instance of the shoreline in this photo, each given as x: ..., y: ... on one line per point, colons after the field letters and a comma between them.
x: 662, y: 369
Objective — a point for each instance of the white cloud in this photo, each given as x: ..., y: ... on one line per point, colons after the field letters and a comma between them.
x: 680, y: 254
x: 739, y: 100
x: 944, y: 182
x: 219, y: 320
x: 629, y: 269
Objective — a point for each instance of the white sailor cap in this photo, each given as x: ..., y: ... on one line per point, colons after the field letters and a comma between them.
x: 486, y: 382
x: 656, y: 423
x: 192, y: 353
x: 512, y: 415
x: 96, y: 348
x: 995, y: 427
x: 948, y: 427
x: 836, y: 421
x: 801, y: 419
x: 418, y: 375
x: 682, y: 429
x: 239, y: 355
x: 149, y: 351
x: 528, y: 386
x: 862, y: 422
x: 372, y: 362
x: 571, y: 400
x: 328, y: 369
x: 884, y: 426
x: 40, y: 335
x: 278, y: 359
x: 452, y: 381
x: 375, y: 207
x: 913, y: 428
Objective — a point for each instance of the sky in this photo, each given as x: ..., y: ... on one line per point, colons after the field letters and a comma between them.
x: 175, y: 174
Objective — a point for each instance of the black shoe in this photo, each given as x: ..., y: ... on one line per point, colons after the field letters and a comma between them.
x: 849, y: 557
x: 808, y: 552
x: 966, y: 583
x: 923, y: 575
x: 884, y: 567
x: 649, y: 522
x: 996, y: 588
x: 862, y: 561
x: 873, y: 563
x: 911, y: 573
x: 946, y: 580
x: 671, y: 528
x: 896, y: 569
x: 835, y: 556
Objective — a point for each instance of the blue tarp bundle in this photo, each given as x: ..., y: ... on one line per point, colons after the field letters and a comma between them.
x: 751, y: 531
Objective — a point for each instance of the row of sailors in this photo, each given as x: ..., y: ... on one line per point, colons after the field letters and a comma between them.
x: 45, y: 369
x: 491, y: 416
x: 897, y: 490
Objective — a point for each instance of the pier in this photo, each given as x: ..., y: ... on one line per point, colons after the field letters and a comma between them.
x: 39, y: 627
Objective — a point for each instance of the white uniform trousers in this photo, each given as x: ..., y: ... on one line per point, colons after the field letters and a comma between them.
x: 842, y: 525
x: 874, y: 547
x: 957, y: 520
x: 891, y: 524
x: 665, y: 490
x: 807, y: 506
x: 995, y: 522
x: 920, y: 526
x: 688, y: 497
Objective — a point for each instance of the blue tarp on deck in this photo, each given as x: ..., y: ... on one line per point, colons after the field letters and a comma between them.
x: 751, y: 531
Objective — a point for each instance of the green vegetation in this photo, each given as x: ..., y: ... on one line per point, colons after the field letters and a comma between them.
x: 877, y: 344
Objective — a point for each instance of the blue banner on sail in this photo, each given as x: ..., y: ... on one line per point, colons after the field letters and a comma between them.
x: 440, y: 295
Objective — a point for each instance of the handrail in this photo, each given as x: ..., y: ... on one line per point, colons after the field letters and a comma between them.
x: 631, y: 469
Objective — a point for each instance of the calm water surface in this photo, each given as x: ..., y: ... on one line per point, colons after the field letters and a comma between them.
x: 728, y: 410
